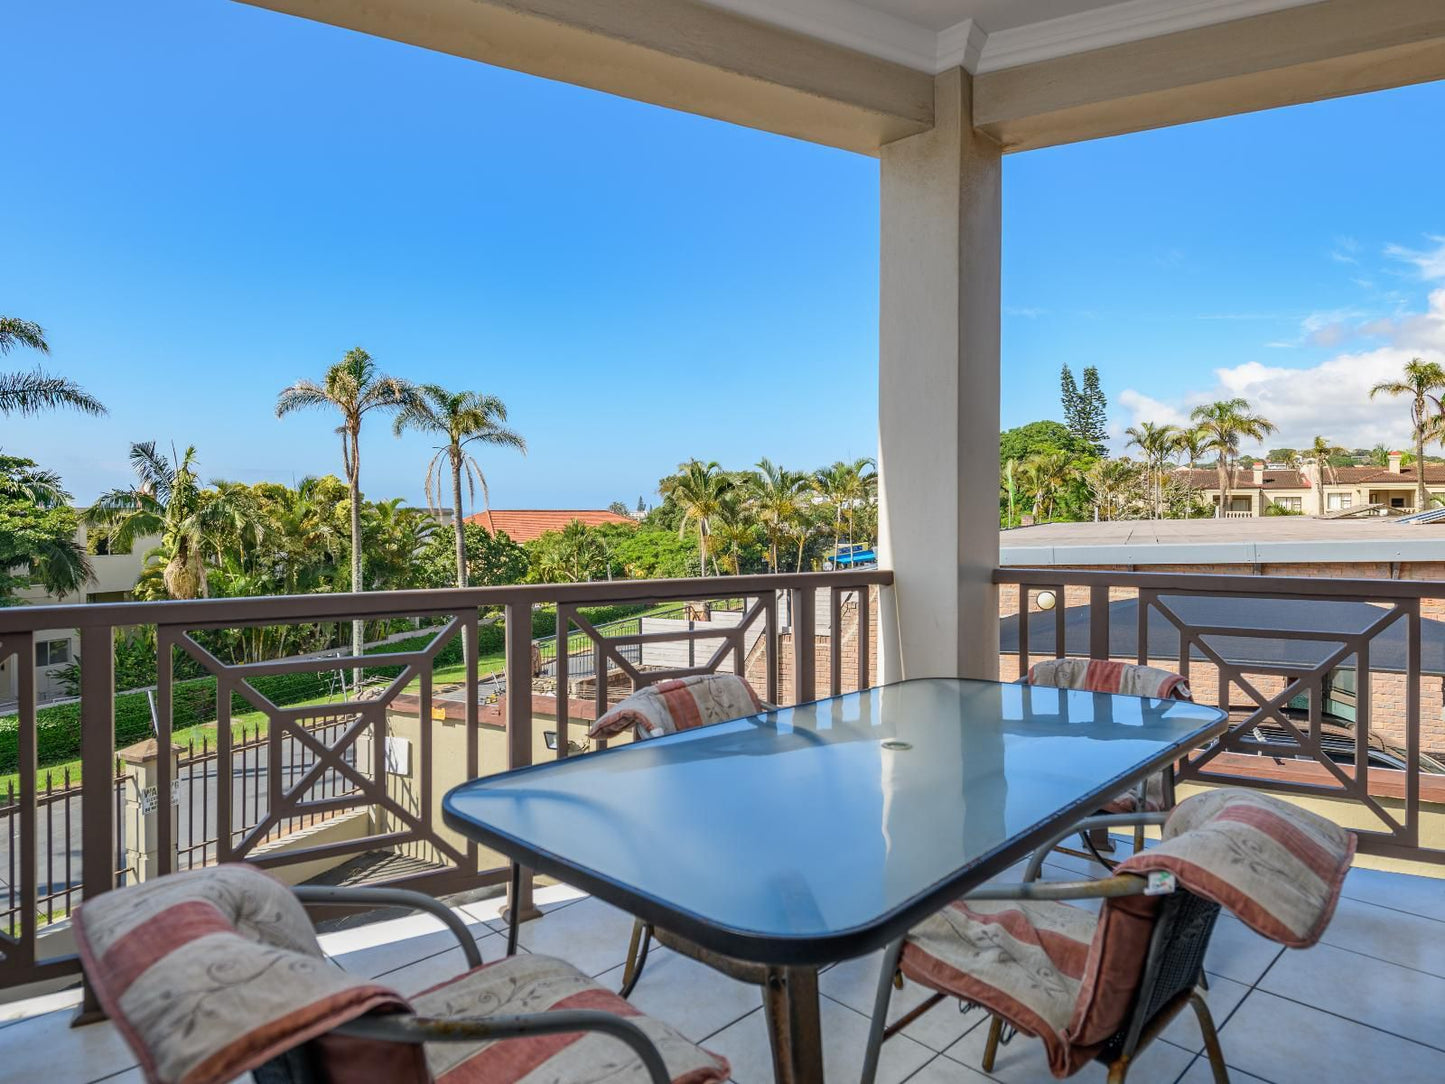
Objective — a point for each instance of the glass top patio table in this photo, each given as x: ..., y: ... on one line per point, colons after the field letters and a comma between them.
x: 820, y: 832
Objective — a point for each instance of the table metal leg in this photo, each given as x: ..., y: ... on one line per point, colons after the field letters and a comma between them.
x: 790, y: 1000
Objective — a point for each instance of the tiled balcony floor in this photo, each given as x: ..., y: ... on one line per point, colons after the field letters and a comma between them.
x: 1367, y: 1004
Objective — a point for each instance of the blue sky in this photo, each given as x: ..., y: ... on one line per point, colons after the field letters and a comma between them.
x: 212, y: 201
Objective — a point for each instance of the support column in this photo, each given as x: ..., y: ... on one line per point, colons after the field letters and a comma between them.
x: 938, y: 398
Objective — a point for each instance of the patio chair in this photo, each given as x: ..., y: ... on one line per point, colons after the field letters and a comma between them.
x: 1155, y: 794
x: 1103, y: 986
x: 667, y: 708
x: 215, y: 973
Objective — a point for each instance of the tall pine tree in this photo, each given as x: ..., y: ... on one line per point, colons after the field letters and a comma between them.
x: 1093, y: 412
x: 1072, y: 401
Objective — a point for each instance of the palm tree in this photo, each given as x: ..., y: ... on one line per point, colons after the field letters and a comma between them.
x: 1422, y: 382
x: 26, y: 394
x: 354, y: 388
x: 1191, y: 443
x: 699, y: 490
x: 1114, y: 483
x: 168, y: 500
x: 1043, y: 475
x: 50, y: 557
x: 1322, y: 451
x: 735, y: 530
x: 462, y: 418
x: 1224, y: 424
x: 1157, y: 442
x: 833, y: 485
x: 777, y: 499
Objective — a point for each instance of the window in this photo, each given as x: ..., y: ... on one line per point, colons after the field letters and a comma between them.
x: 1294, y: 504
x: 52, y: 653
x: 1336, y: 502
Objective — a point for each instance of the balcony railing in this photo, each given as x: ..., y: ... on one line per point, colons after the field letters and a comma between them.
x: 1327, y: 681
x: 349, y: 786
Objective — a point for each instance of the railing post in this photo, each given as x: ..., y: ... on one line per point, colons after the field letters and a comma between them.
x: 149, y: 810
x: 1098, y: 621
x: 804, y: 650
x: 519, y: 728
x: 97, y: 760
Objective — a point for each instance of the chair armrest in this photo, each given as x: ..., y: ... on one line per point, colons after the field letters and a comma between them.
x: 328, y: 896
x: 1122, y: 884
x: 403, y: 1028
x: 1103, y: 820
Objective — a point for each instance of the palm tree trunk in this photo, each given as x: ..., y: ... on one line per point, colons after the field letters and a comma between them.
x: 1223, y: 487
x: 358, y: 626
x: 1420, y: 497
x: 458, y: 527
x: 701, y: 547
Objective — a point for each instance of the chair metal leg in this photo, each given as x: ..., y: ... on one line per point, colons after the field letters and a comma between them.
x: 636, y: 956
x: 990, y: 1049
x: 1118, y: 1070
x: 1211, y: 1038
x: 880, y: 1010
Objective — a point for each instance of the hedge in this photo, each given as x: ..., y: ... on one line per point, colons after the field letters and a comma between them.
x: 57, y: 728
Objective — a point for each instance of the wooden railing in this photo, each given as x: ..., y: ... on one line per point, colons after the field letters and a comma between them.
x: 1291, y: 659
x: 337, y: 762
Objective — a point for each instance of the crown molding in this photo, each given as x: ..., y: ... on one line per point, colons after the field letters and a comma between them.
x: 849, y: 24
x: 1131, y: 20
x: 965, y: 44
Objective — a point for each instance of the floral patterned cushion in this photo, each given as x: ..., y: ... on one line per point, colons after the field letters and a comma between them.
x: 209, y: 974
x: 525, y: 984
x: 1051, y: 969
x: 1105, y: 676
x: 680, y: 704
x: 1276, y: 866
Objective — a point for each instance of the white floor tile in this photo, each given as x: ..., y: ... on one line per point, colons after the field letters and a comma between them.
x: 855, y: 984
x: 1024, y: 1061
x: 1222, y: 997
x: 1289, y: 1043
x: 943, y: 1070
x: 1202, y: 1073
x: 690, y: 996
x: 845, y: 1037
x: 13, y: 1012
x: 46, y: 1048
x: 411, y: 979
x: 1424, y: 896
x: 589, y: 934
x: 396, y: 943
x: 1374, y: 992
x: 1238, y: 953
x: 1388, y: 935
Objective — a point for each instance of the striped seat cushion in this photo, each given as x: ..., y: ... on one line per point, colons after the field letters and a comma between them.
x: 209, y: 974
x: 1054, y: 970
x: 1276, y: 866
x: 526, y: 984
x: 680, y: 704
x: 1106, y: 676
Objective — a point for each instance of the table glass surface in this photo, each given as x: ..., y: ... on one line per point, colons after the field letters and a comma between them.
x: 808, y: 821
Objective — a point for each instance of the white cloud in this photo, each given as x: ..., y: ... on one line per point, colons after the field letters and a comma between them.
x: 1429, y: 262
x: 1332, y: 398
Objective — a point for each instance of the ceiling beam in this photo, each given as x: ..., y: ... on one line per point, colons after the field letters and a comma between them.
x: 675, y: 53
x: 1327, y: 49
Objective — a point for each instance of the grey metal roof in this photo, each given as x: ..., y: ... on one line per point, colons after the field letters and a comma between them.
x: 1258, y: 621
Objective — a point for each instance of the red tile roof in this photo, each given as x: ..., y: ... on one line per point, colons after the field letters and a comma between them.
x: 525, y: 524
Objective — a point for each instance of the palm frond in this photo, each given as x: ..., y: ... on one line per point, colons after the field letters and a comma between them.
x: 300, y: 396
x: 27, y: 394
x: 17, y: 332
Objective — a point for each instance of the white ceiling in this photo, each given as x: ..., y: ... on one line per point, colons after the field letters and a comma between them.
x: 986, y: 35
